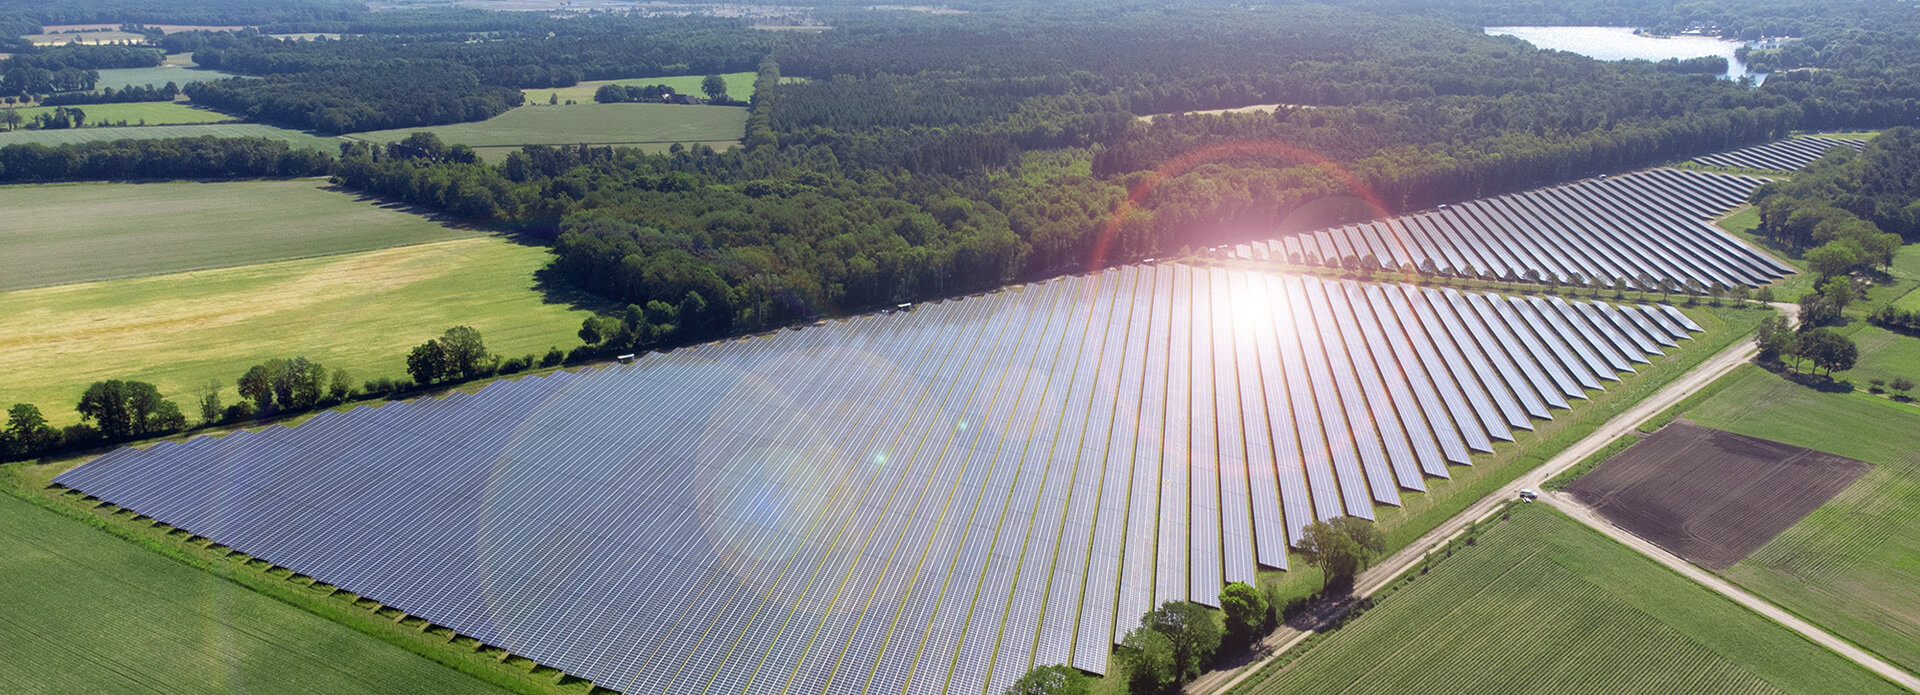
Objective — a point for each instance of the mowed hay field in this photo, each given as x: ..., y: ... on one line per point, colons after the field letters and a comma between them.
x: 1542, y: 604
x: 1850, y: 566
x: 739, y: 87
x: 293, y: 138
x: 361, y: 312
x: 86, y: 612
x: 139, y: 113
x: 65, y: 233
x: 593, y: 124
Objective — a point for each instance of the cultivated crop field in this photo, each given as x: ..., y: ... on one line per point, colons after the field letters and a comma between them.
x: 293, y: 138
x: 1713, y: 497
x: 140, y: 113
x: 1850, y: 565
x: 88, y: 612
x: 66, y: 233
x: 361, y: 312
x: 739, y: 87
x: 1543, y: 604
x: 595, y: 124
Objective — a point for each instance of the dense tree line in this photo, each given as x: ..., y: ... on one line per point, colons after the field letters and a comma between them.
x: 373, y: 96
x: 1848, y: 213
x: 204, y: 157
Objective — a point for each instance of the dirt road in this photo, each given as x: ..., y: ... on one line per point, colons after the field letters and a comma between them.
x: 1377, y: 576
x: 1586, y: 515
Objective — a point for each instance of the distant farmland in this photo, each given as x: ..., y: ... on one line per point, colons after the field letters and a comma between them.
x: 294, y: 138
x: 359, y: 311
x: 66, y: 233
x: 593, y: 124
x: 148, y: 113
x: 739, y: 86
x: 1542, y: 604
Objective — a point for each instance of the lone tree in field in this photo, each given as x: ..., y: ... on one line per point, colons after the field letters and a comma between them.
x: 11, y: 119
x: 1051, y: 680
x: 1151, y: 666
x: 427, y: 363
x: 1246, y: 612
x: 715, y: 88
x: 466, y: 352
x: 1341, y: 547
x: 27, y: 433
x: 1191, y: 629
x: 1829, y: 350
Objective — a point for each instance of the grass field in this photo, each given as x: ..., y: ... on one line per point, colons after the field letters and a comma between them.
x: 1421, y: 511
x: 360, y: 312
x: 66, y: 233
x: 140, y: 113
x: 86, y: 38
x: 121, y: 78
x: 1851, y: 566
x: 1884, y: 355
x: 90, y: 613
x: 739, y: 87
x: 1543, y: 604
x: 597, y: 124
x: 294, y: 138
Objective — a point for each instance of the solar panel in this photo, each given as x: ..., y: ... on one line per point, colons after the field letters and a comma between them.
x: 922, y: 501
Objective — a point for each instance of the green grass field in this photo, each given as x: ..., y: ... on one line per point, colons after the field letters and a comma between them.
x: 122, y: 78
x: 86, y: 612
x: 597, y: 124
x: 66, y: 233
x: 1884, y: 355
x: 1543, y: 604
x: 361, y: 312
x: 294, y: 138
x: 1787, y: 289
x: 739, y: 86
x: 1853, y: 564
x: 140, y: 113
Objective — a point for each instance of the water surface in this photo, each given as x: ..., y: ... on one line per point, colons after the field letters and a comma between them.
x: 1620, y: 43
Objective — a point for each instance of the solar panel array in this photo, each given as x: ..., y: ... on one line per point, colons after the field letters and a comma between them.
x: 1784, y: 155
x: 929, y: 501
x: 1649, y: 229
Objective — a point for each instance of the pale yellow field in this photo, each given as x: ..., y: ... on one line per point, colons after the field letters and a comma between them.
x: 360, y: 311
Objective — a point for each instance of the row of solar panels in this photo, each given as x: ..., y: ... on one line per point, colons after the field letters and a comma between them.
x: 1784, y: 155
x: 929, y: 501
x: 1647, y: 229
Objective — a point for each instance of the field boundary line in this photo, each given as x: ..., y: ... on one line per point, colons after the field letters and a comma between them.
x: 1380, y: 575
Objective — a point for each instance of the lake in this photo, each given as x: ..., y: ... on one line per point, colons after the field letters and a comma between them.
x: 1620, y: 43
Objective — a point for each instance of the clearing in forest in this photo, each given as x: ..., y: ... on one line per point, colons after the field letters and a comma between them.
x: 293, y: 138
x: 591, y: 124
x: 138, y: 113
x: 1713, y: 497
x: 739, y: 87
x: 65, y: 233
x: 1542, y: 604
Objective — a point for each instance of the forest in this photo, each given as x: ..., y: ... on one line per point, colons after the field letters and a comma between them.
x: 892, y: 174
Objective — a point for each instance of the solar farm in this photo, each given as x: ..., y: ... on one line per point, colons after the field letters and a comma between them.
x: 1650, y: 230
x: 1783, y: 155
x: 921, y: 501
